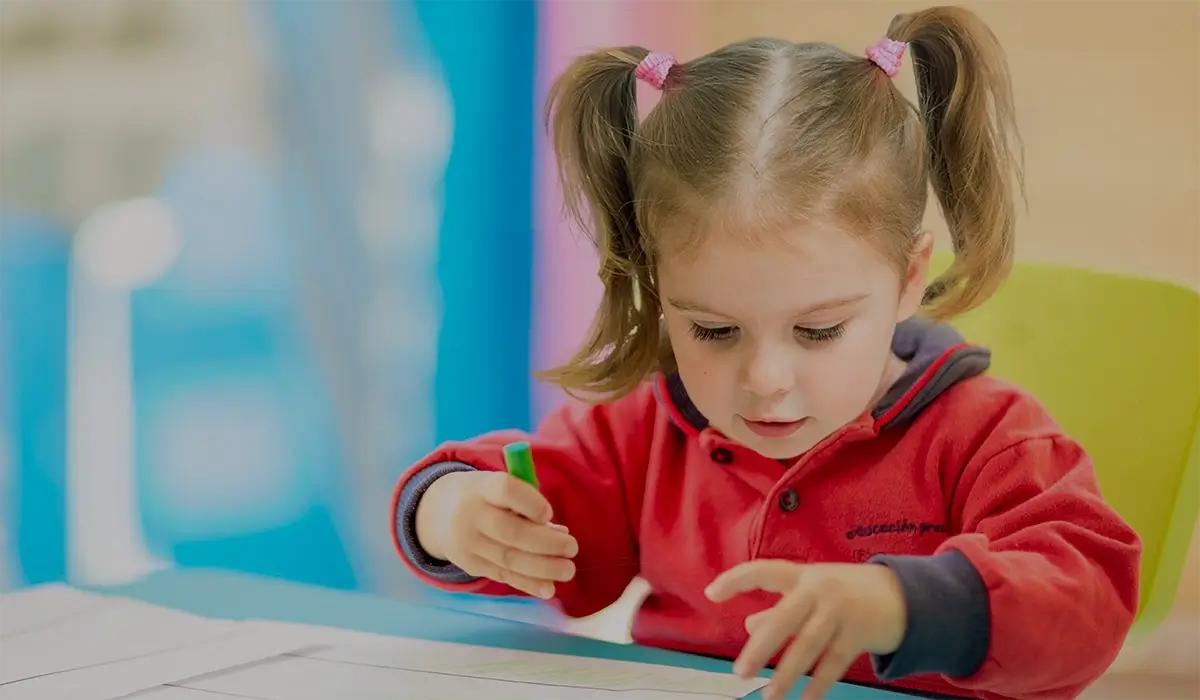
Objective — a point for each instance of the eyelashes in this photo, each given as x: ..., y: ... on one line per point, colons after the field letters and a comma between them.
x: 707, y: 334
x: 812, y: 335
x: 821, y: 335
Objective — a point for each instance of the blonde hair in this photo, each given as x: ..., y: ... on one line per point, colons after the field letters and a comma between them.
x: 765, y: 132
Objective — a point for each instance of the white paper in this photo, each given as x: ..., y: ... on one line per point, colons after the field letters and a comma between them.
x: 58, y: 643
x: 109, y: 646
x: 174, y: 692
x: 400, y: 668
x: 28, y: 608
x: 302, y: 678
x: 249, y: 644
x: 318, y: 635
x: 117, y: 630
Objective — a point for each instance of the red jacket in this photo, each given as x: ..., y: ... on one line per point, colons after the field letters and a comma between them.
x: 1020, y: 581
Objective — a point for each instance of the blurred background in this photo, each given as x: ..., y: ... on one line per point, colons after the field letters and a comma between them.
x: 257, y: 257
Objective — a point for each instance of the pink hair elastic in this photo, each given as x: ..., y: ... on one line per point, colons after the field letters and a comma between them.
x: 654, y: 68
x: 887, y: 53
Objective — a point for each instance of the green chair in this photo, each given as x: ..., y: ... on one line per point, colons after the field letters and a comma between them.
x: 1116, y: 360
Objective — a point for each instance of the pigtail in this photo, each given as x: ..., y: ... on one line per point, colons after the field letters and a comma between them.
x: 591, y: 114
x: 966, y: 105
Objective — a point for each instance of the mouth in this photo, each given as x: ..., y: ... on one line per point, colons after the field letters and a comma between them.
x: 774, y: 428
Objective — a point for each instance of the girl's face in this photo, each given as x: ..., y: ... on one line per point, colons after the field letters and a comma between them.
x: 781, y: 342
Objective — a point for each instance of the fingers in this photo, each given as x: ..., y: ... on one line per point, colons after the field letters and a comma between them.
x: 525, y: 563
x: 807, y: 646
x: 830, y: 670
x: 504, y: 491
x: 526, y: 555
x: 513, y: 541
x: 511, y: 530
x: 771, y: 632
x: 772, y: 575
x: 477, y: 565
x: 820, y: 619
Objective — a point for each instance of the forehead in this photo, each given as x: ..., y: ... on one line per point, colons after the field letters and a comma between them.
x: 794, y: 266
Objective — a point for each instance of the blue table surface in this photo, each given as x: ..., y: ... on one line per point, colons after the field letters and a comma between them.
x: 239, y: 596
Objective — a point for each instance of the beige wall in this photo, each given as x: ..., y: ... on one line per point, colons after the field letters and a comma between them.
x: 1108, y: 100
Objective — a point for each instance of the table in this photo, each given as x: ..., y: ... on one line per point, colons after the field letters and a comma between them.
x: 239, y: 596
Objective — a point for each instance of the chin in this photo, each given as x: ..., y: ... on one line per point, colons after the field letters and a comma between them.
x: 782, y: 452
x: 782, y: 448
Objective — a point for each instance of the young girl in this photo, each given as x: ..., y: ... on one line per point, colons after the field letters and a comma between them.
x: 807, y: 475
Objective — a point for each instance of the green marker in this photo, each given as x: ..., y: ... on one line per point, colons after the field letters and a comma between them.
x: 519, y: 460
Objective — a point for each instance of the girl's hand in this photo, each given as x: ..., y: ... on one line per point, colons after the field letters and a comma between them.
x: 495, y: 526
x: 831, y: 612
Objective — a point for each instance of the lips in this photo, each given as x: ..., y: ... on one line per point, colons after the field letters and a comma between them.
x: 773, y: 428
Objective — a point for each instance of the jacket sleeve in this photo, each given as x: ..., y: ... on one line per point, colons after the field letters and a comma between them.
x: 591, y: 464
x: 1035, y: 595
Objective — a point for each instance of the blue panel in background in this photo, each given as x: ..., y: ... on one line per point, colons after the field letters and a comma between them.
x: 34, y: 257
x: 363, y: 227
x: 486, y: 52
x: 239, y: 456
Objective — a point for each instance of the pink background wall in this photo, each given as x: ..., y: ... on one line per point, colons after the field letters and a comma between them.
x: 566, y: 289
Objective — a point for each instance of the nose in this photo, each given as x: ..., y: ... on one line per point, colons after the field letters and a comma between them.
x: 768, y: 372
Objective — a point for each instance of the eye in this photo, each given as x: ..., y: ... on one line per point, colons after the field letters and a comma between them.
x: 821, y: 335
x: 704, y: 333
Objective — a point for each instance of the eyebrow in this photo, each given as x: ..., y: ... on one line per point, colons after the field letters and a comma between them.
x: 828, y: 304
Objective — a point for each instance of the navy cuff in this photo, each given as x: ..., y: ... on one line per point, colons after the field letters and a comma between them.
x: 949, y: 618
x: 406, y: 523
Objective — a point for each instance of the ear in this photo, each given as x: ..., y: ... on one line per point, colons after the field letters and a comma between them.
x: 915, y: 277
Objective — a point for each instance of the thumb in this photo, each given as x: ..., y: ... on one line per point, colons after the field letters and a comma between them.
x: 510, y: 493
x: 775, y: 575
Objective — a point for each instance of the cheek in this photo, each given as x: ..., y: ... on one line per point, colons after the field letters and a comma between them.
x: 692, y: 356
x: 701, y: 366
x: 844, y: 378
